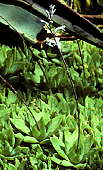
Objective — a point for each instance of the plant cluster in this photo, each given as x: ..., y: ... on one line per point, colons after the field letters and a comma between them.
x: 47, y: 138
x: 51, y: 106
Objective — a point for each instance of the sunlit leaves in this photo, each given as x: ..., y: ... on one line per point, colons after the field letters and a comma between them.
x: 54, y: 125
x: 47, y: 134
x: 20, y: 125
x: 58, y: 145
x: 27, y: 139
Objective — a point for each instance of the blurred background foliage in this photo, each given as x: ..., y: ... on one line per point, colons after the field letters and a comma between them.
x: 86, y: 6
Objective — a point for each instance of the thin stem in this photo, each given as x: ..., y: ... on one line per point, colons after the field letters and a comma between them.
x: 81, y: 55
x: 72, y: 85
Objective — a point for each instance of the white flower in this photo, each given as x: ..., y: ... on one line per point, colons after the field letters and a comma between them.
x: 46, y: 23
x: 53, y: 42
x: 50, y: 42
x: 51, y: 12
x: 56, y: 40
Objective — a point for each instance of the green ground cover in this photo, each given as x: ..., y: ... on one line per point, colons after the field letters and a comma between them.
x: 39, y: 124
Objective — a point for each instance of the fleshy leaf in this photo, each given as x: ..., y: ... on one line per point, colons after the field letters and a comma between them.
x: 54, y: 124
x: 20, y: 125
x: 61, y: 162
x: 58, y: 146
x: 67, y: 163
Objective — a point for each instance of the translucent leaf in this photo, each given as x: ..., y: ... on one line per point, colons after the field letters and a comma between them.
x: 58, y: 146
x: 88, y: 142
x: 70, y: 139
x: 54, y: 124
x: 76, y: 155
x: 71, y: 122
x: 56, y: 61
x: 20, y: 125
x: 30, y: 139
x: 61, y: 162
